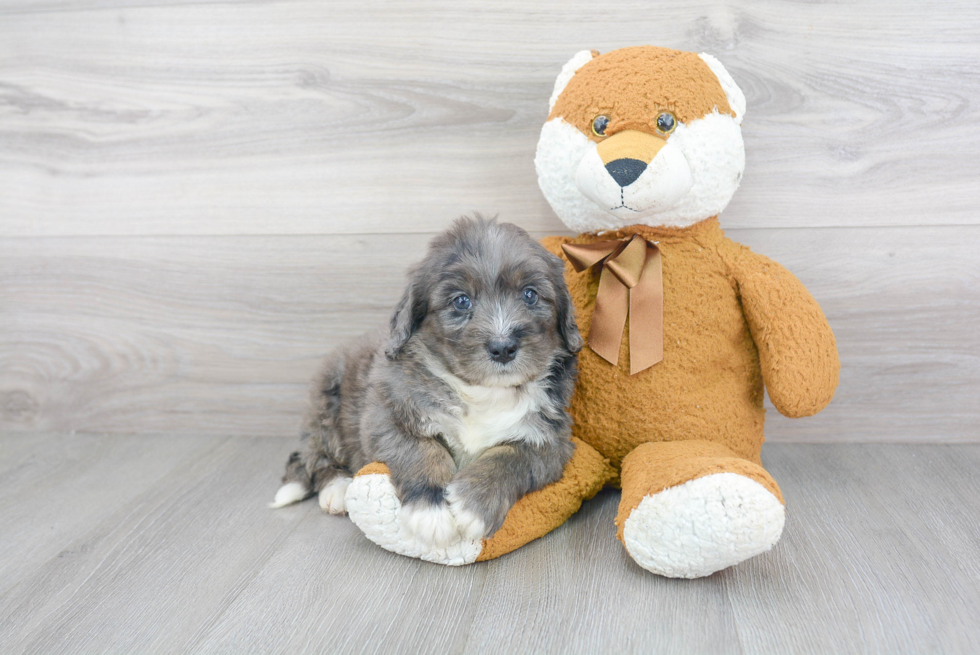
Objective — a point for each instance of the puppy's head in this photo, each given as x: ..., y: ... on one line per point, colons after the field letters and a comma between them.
x: 489, y: 303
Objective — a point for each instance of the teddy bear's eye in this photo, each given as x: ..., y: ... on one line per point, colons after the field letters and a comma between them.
x: 599, y: 125
x: 666, y: 123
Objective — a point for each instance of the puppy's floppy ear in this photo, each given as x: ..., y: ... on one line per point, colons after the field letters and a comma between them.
x: 409, y: 312
x: 567, y: 327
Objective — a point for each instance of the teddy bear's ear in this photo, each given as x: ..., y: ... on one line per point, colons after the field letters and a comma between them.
x: 580, y: 59
x: 735, y: 96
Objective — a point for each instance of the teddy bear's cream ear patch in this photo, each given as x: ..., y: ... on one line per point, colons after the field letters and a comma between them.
x: 580, y: 59
x: 735, y: 96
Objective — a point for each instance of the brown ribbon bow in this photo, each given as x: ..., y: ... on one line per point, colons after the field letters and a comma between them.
x: 631, y: 283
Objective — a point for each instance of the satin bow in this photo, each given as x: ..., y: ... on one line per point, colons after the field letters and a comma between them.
x: 630, y: 284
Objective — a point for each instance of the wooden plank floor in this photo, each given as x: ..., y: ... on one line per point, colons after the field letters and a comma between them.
x: 157, y: 544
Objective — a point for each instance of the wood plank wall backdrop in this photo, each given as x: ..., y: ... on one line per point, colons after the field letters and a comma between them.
x: 198, y: 199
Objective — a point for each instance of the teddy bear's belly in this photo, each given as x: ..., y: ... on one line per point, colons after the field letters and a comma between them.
x: 708, y: 386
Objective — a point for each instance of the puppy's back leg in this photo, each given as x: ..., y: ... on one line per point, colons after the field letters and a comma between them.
x: 316, y: 470
x: 296, y: 482
x: 313, y: 473
x: 329, y: 480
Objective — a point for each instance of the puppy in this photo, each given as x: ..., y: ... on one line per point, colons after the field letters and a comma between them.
x: 463, y: 398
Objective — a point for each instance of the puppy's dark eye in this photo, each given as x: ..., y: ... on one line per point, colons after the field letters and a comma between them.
x: 462, y: 303
x: 599, y: 125
x: 666, y: 123
x: 530, y: 296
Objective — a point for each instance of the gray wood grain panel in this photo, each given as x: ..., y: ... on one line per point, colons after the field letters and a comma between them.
x: 135, y: 117
x: 184, y: 335
x: 154, y: 574
x: 858, y: 570
x: 70, y: 483
x: 343, y: 594
x: 868, y: 562
x: 592, y: 598
x: 879, y: 555
x: 17, y: 452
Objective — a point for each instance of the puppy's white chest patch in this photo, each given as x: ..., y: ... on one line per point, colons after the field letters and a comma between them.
x: 492, y: 415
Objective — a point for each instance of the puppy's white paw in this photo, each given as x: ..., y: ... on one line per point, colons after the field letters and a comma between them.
x: 470, y: 525
x: 332, y: 495
x: 432, y: 525
x: 289, y: 493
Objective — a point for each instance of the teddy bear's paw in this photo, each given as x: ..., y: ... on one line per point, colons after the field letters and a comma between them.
x: 373, y: 506
x: 332, y: 496
x: 703, y: 526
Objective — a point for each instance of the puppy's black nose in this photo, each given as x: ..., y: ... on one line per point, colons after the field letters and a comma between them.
x: 503, y: 350
x: 625, y: 171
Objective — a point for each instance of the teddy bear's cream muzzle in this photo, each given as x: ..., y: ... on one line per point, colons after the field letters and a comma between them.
x: 633, y: 174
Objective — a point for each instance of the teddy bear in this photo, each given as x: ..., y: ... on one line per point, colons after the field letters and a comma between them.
x: 641, y: 152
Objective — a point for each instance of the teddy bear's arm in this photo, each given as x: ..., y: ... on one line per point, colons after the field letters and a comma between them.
x: 797, y: 350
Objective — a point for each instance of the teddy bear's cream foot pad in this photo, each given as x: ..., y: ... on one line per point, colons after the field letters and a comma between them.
x: 703, y: 526
x: 374, y: 507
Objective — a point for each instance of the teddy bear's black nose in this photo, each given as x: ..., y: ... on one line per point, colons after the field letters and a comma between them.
x: 625, y: 171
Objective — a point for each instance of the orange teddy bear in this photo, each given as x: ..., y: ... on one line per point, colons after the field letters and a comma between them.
x: 641, y: 152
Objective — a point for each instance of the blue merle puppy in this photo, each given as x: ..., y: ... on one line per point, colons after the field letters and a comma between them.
x: 464, y: 397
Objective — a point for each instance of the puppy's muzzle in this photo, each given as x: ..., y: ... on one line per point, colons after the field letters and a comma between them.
x: 504, y: 349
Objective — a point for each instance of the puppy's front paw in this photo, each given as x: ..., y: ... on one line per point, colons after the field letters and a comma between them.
x: 331, y: 497
x: 470, y: 524
x: 432, y: 525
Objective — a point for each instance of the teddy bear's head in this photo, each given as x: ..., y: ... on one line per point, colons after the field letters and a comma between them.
x: 641, y: 135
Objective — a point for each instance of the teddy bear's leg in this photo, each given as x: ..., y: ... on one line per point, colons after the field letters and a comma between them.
x: 690, y: 508
x: 373, y: 506
x: 541, y: 511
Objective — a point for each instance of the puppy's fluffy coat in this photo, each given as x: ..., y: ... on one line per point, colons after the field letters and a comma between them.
x: 463, y: 398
